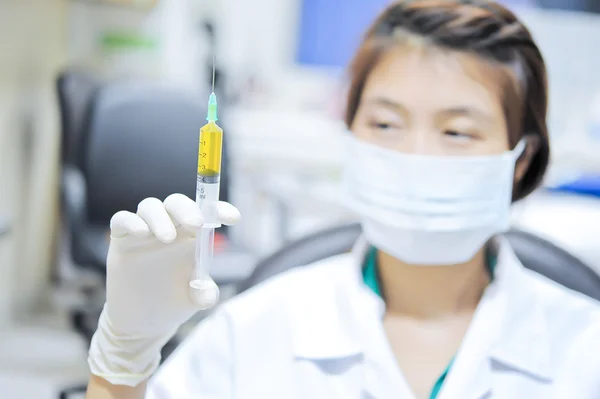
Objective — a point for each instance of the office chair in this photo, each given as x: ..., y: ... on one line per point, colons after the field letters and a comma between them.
x: 534, y: 252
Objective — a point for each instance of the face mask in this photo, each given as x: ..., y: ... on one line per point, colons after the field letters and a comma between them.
x: 428, y: 210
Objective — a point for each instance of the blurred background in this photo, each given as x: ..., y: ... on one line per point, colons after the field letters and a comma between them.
x: 100, y: 106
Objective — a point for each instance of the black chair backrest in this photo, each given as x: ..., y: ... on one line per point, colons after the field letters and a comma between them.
x: 549, y: 260
x: 142, y: 141
x: 75, y: 91
x: 534, y: 252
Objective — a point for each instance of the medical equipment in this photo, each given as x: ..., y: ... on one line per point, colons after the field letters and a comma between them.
x: 207, y: 191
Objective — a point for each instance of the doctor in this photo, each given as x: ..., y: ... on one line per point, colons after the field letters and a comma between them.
x: 447, y: 108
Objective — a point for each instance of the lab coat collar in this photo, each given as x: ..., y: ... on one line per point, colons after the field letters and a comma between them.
x: 328, y: 324
x: 523, y: 344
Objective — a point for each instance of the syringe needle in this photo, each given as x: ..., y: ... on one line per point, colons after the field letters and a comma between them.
x: 213, y: 76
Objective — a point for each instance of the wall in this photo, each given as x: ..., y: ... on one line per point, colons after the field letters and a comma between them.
x: 169, y: 30
x: 257, y: 35
x: 32, y: 37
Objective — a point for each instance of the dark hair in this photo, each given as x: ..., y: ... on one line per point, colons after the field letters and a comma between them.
x: 483, y: 28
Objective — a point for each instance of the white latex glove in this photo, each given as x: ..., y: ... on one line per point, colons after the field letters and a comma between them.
x: 149, y: 265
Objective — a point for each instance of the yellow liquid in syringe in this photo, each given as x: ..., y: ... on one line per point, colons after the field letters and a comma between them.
x: 209, y: 151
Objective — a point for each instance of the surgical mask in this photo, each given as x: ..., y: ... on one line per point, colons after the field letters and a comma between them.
x: 425, y: 209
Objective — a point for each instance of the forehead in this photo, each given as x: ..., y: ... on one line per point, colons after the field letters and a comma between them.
x: 432, y: 78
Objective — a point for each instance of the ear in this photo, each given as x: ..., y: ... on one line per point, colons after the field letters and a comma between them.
x: 532, y: 143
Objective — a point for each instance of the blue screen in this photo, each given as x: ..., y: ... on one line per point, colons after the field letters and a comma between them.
x: 330, y: 30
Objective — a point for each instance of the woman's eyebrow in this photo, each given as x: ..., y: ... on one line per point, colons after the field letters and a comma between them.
x: 466, y: 111
x: 469, y: 111
x: 387, y: 103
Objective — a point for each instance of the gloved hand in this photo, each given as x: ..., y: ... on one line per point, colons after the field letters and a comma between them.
x: 149, y: 265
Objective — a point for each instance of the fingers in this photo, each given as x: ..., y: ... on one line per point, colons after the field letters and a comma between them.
x: 126, y: 223
x: 161, y: 219
x: 153, y: 212
x: 184, y: 211
x: 228, y: 214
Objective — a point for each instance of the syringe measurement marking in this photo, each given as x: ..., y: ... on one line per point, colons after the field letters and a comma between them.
x: 206, y: 182
x: 202, y: 195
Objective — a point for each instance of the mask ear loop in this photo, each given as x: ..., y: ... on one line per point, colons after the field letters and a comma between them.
x: 519, y: 149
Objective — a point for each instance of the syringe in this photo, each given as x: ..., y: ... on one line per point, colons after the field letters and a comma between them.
x: 207, y: 193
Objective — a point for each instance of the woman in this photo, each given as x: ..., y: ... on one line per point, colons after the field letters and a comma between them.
x: 447, y: 109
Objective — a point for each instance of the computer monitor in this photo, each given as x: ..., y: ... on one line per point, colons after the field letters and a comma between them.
x: 329, y: 30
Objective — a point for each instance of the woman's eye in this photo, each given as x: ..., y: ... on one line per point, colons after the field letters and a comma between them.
x: 383, y: 125
x: 454, y: 134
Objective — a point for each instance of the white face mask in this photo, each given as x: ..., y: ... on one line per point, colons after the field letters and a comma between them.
x: 428, y: 210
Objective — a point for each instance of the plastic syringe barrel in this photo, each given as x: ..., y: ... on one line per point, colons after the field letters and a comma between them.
x: 207, y: 197
x: 205, y: 240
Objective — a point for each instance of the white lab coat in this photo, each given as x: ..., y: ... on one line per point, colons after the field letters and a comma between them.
x: 316, y: 332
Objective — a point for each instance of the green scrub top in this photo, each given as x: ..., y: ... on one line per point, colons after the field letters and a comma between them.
x: 371, y: 279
